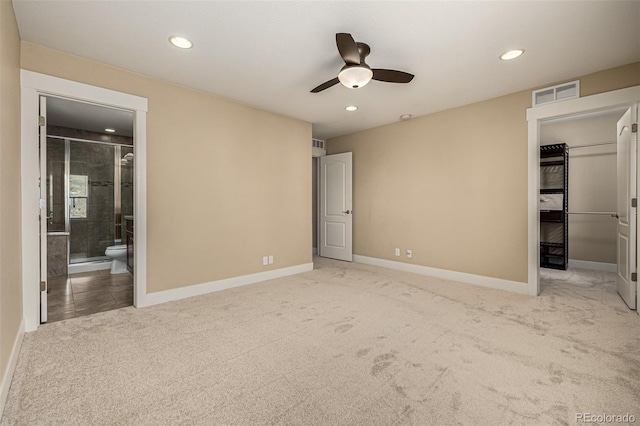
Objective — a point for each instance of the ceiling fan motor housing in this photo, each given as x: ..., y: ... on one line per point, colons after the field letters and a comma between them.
x: 363, y: 50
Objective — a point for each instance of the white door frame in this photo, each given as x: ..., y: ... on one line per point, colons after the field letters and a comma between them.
x: 536, y: 116
x: 42, y: 171
x: 316, y: 160
x: 32, y: 86
x: 315, y: 156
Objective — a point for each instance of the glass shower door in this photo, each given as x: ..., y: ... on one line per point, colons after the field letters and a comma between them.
x: 91, y: 201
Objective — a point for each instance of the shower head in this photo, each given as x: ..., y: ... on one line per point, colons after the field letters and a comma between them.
x: 128, y: 157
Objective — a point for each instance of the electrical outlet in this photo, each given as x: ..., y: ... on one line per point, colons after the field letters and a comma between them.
x: 409, y: 254
x: 265, y: 260
x: 397, y: 252
x: 271, y: 260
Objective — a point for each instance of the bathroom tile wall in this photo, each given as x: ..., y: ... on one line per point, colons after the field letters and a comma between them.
x: 57, y: 256
x: 56, y: 244
x: 55, y: 177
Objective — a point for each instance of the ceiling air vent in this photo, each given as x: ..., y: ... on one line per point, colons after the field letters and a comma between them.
x: 318, y: 148
x: 561, y: 92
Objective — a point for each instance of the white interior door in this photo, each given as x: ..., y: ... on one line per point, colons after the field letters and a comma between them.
x: 43, y: 208
x: 336, y: 209
x: 627, y: 191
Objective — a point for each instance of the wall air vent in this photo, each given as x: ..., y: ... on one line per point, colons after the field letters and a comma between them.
x: 561, y: 92
x: 318, y: 149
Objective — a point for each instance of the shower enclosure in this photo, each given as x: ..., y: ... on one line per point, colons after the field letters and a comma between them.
x: 89, y: 190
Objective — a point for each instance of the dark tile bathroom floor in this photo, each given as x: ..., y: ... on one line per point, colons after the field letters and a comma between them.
x: 88, y: 293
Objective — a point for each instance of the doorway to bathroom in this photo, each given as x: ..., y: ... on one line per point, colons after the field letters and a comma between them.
x: 87, y: 167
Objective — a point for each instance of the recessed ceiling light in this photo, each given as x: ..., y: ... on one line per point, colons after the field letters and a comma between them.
x: 405, y: 117
x: 512, y: 54
x: 109, y: 130
x: 180, y: 42
x: 351, y: 108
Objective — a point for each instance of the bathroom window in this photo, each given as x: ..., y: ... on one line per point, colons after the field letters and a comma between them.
x: 78, y: 192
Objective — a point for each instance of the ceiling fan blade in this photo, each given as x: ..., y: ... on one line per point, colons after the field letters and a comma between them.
x: 392, y: 76
x: 348, y: 49
x: 325, y: 85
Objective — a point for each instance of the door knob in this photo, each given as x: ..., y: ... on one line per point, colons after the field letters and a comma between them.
x: 347, y: 211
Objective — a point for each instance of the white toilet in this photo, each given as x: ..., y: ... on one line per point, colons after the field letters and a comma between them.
x: 118, y: 255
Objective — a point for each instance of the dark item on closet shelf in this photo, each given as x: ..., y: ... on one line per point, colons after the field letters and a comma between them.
x: 554, y: 202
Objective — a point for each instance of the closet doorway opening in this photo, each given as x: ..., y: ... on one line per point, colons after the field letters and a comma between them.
x: 315, y: 194
x: 578, y: 200
x: 627, y: 98
x: 87, y: 167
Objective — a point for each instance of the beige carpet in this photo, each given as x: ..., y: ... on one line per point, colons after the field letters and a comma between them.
x: 343, y: 344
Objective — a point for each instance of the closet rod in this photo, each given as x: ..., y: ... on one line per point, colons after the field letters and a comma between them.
x: 612, y: 214
x: 593, y: 144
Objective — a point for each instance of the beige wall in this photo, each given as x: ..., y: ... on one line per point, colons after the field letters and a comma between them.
x: 452, y: 186
x: 10, y: 249
x: 227, y: 184
x: 611, y: 79
x: 592, y: 183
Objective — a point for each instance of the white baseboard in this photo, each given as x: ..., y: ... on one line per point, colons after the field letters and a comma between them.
x: 596, y: 266
x: 11, y: 366
x: 88, y: 267
x: 210, y: 287
x: 497, y: 283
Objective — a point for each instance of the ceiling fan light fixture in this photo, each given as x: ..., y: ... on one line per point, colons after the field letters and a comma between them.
x: 356, y: 73
x: 351, y: 108
x: 180, y: 42
x: 405, y: 117
x: 512, y: 54
x: 355, y: 76
x: 110, y: 130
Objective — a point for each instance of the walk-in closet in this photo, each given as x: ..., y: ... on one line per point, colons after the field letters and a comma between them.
x: 578, y: 197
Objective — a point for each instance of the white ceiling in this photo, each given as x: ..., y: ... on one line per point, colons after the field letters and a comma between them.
x: 271, y: 54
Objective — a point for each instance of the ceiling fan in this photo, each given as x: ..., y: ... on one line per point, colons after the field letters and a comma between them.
x: 356, y: 73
